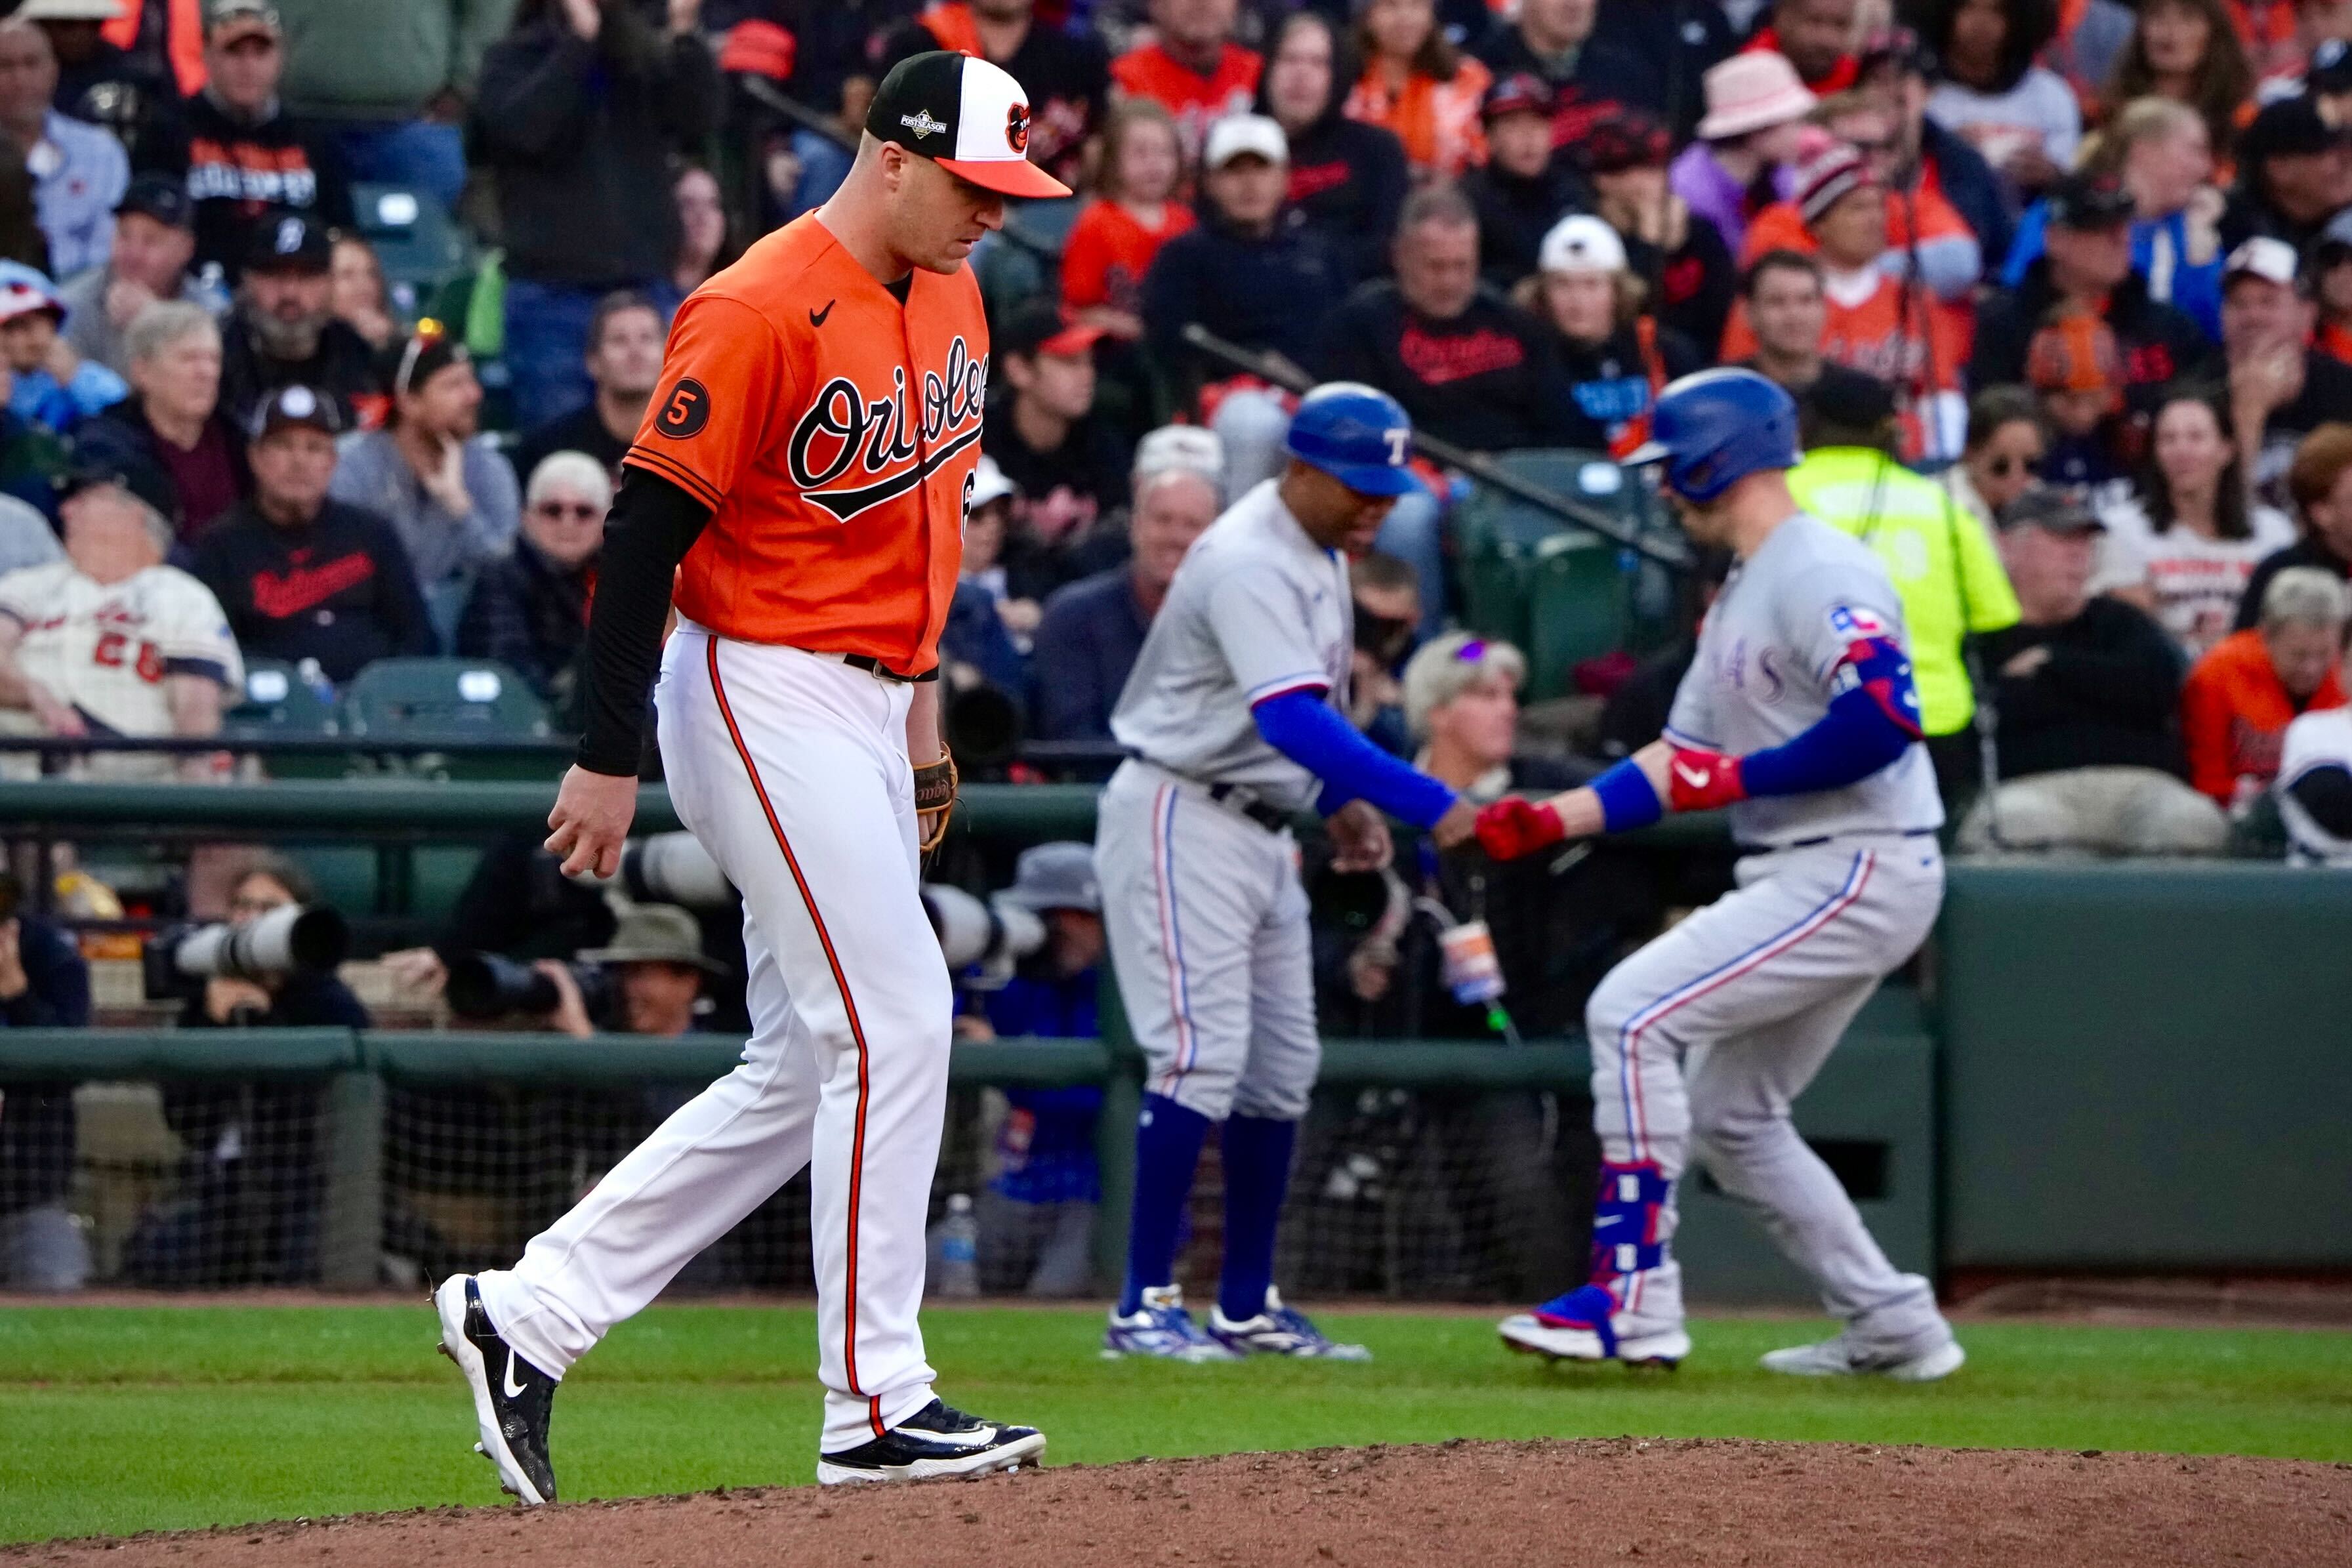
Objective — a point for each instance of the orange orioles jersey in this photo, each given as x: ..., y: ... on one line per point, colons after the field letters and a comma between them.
x: 833, y: 432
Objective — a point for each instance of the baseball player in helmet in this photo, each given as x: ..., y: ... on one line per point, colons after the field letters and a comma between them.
x: 1798, y: 715
x: 1233, y: 722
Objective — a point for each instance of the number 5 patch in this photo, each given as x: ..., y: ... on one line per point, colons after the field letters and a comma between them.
x: 686, y: 412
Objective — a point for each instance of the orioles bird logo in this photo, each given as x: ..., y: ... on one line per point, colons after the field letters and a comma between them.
x: 1016, y: 128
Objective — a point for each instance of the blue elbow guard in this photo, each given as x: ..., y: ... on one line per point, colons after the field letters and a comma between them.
x: 1628, y: 799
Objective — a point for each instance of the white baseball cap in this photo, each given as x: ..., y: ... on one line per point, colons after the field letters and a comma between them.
x: 1238, y: 133
x: 1185, y: 449
x: 1580, y: 242
x: 963, y: 114
x: 989, y: 483
x: 2271, y: 260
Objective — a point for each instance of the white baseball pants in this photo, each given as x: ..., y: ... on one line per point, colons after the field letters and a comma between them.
x: 1709, y: 1032
x: 1207, y: 924
x: 791, y: 769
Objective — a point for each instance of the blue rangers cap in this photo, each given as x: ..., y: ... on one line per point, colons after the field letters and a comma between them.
x: 1357, y: 434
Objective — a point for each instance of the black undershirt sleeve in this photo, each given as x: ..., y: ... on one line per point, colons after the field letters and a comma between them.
x: 2327, y: 793
x: 653, y: 525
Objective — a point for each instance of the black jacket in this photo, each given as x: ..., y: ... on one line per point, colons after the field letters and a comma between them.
x: 1681, y: 40
x: 123, y: 435
x: 1514, y: 213
x: 581, y: 135
x: 338, y: 589
x: 2158, y: 343
x: 1692, y: 285
x: 1488, y: 379
x: 530, y: 615
x: 2108, y: 696
x: 343, y: 366
x: 236, y: 171
x: 1270, y: 293
x: 1610, y: 381
x: 1348, y: 183
x: 1603, y: 75
x: 582, y: 430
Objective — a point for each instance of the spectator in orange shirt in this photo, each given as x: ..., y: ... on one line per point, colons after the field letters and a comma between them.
x: 1819, y: 38
x: 1421, y: 87
x: 1134, y: 213
x: 1876, y: 324
x: 2242, y: 696
x: 1191, y: 68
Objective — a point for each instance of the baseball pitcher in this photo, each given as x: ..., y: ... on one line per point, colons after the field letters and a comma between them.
x: 802, y: 474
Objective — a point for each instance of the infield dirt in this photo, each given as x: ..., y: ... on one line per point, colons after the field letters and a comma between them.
x: 1559, y: 1504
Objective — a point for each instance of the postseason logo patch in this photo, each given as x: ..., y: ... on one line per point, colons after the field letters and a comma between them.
x: 1851, y: 623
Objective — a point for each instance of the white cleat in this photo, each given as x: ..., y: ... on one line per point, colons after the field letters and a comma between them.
x: 1840, y: 1357
x: 1526, y: 1333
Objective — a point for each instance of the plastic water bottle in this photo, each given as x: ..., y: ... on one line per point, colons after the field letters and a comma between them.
x: 955, y: 1251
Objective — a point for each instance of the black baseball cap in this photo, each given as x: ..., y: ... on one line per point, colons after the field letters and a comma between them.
x: 2293, y: 126
x: 2090, y: 201
x: 1520, y: 92
x: 295, y: 405
x: 160, y: 197
x: 2052, y: 511
x: 1039, y: 326
x: 964, y: 114
x: 1854, y: 402
x: 1899, y: 46
x: 287, y: 241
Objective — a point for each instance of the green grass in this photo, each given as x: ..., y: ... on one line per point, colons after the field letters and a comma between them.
x: 114, y: 1420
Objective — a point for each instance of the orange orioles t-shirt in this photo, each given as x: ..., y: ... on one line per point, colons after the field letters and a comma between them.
x: 1194, y: 99
x: 833, y: 432
x: 1109, y: 250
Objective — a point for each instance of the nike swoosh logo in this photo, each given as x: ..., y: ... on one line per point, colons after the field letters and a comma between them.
x: 513, y: 1390
x: 1690, y: 777
x: 816, y: 318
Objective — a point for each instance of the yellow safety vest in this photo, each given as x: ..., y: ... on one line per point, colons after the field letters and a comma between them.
x: 1936, y: 551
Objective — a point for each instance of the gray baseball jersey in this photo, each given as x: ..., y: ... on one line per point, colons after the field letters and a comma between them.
x: 1767, y: 671
x: 1257, y: 609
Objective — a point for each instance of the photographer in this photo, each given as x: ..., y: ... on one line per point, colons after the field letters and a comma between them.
x: 44, y: 985
x: 247, y: 1210
x: 654, y: 968
x: 1037, y: 1214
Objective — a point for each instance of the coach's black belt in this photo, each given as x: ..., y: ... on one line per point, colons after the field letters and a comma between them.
x: 874, y: 667
x: 1239, y: 799
x: 1833, y: 838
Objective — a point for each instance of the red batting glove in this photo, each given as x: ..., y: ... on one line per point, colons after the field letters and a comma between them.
x: 1513, y: 826
x: 1701, y: 781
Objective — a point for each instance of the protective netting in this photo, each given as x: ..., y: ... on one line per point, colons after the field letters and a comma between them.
x: 206, y: 1183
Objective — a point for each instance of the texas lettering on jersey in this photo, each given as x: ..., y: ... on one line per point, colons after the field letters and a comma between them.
x: 853, y: 451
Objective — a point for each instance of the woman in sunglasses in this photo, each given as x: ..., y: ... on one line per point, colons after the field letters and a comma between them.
x: 529, y: 610
x: 2006, y: 446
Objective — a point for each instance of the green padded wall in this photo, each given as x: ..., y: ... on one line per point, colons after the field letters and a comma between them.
x: 2148, y: 1066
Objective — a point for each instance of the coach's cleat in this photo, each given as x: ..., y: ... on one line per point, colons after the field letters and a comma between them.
x: 1846, y: 1357
x: 1161, y: 1327
x: 1582, y: 1326
x: 1278, y: 1330
x: 937, y: 1440
x: 514, y: 1400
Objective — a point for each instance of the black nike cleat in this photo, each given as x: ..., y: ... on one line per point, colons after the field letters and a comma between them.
x: 937, y: 1440
x: 514, y: 1400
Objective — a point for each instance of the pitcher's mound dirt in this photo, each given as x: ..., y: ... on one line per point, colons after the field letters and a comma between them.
x: 1616, y: 1501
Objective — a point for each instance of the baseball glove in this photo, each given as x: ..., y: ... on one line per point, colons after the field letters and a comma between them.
x: 935, y: 799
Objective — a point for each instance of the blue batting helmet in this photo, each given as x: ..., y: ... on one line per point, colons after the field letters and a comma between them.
x: 1718, y: 426
x: 1357, y: 434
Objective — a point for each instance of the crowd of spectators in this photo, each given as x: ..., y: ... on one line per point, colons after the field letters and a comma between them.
x: 2062, y: 290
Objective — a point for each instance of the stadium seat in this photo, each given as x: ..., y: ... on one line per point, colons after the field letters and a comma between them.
x: 1562, y: 594
x: 441, y: 698
x: 277, y: 704
x: 416, y: 242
